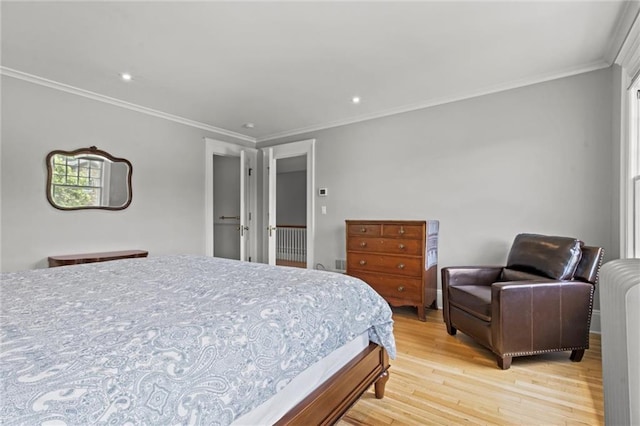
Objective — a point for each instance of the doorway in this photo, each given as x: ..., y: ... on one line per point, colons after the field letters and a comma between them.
x: 273, y: 157
x: 291, y: 211
x: 230, y: 200
x: 226, y: 206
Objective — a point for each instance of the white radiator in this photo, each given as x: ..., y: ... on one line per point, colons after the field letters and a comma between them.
x: 620, y: 317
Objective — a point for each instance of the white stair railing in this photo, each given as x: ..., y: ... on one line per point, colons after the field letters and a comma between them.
x: 291, y: 243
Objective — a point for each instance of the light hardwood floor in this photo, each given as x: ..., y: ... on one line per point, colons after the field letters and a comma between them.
x: 291, y: 263
x: 451, y: 380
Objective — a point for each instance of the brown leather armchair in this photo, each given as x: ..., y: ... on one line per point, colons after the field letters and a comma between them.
x: 541, y: 301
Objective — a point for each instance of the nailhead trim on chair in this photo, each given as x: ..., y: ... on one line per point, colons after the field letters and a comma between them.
x: 543, y: 351
x: 593, y: 291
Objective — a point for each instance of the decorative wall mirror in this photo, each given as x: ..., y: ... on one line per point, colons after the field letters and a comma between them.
x: 88, y: 178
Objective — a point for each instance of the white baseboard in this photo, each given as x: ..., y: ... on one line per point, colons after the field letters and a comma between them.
x: 595, y: 322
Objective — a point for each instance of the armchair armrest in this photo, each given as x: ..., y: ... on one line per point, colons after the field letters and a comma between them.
x: 460, y: 275
x: 537, y: 316
x: 475, y: 275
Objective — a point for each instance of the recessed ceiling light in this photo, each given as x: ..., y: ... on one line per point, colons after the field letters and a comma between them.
x: 126, y: 76
x: 355, y: 100
x: 248, y: 125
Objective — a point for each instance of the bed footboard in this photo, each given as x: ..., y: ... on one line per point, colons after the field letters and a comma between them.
x: 332, y: 399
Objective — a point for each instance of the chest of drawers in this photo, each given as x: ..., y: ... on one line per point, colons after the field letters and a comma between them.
x: 398, y: 258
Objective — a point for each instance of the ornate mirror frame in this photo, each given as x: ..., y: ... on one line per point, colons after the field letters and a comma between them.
x: 92, y: 154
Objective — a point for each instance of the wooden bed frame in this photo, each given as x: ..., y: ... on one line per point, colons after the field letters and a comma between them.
x: 329, y: 402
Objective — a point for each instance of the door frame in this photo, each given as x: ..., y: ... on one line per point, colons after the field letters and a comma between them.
x: 287, y: 150
x: 216, y: 147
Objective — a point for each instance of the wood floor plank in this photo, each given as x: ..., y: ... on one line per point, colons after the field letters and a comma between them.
x: 438, y: 379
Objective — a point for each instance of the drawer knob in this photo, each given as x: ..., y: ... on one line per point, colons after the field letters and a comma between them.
x: 401, y: 231
x: 363, y: 244
x: 363, y: 262
x: 400, y: 288
x: 363, y: 229
x: 401, y: 246
x: 401, y: 266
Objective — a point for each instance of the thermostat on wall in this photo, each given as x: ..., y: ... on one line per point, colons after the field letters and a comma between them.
x: 322, y: 192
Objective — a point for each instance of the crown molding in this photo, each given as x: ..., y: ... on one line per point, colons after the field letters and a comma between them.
x: 441, y: 101
x: 628, y: 57
x: 366, y: 117
x: 9, y: 72
x: 623, y: 29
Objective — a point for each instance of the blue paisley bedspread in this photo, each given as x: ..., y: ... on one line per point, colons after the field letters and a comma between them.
x: 170, y: 339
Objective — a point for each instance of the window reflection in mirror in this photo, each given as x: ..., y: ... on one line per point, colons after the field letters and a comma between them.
x: 88, y: 178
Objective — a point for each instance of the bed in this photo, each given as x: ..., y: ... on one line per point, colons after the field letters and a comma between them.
x: 188, y: 340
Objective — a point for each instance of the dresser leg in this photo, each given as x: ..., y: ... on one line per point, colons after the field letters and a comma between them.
x: 421, y: 314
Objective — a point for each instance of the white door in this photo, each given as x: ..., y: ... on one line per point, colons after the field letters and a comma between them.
x: 248, y: 196
x: 271, y: 213
x: 245, y: 189
x: 270, y: 156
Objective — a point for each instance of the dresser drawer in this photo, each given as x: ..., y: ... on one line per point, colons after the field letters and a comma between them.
x: 385, y: 245
x: 393, y: 287
x: 370, y: 230
x: 404, y: 231
x: 408, y: 266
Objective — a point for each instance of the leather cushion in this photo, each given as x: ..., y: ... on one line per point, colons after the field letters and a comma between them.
x: 515, y: 275
x: 589, y: 265
x: 553, y: 257
x: 473, y: 299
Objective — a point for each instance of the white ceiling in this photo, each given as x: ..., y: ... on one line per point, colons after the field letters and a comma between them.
x: 294, y: 66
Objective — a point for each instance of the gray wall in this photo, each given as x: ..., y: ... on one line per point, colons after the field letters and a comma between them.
x: 618, y: 95
x: 291, y: 198
x: 534, y: 159
x: 167, y: 212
